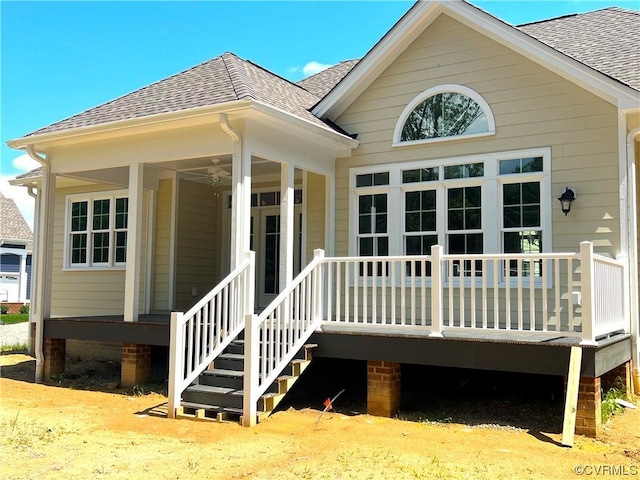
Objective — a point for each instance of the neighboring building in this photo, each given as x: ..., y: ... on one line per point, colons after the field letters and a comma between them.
x: 428, y: 172
x: 16, y: 242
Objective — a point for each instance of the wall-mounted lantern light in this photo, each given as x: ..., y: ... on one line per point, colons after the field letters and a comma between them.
x: 566, y: 199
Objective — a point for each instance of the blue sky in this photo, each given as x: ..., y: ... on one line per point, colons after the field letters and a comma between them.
x: 60, y: 58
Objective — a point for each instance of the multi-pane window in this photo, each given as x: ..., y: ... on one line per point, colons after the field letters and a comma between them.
x: 373, y: 218
x: 489, y: 203
x: 521, y: 212
x: 420, y: 226
x: 464, y: 225
x: 97, y: 231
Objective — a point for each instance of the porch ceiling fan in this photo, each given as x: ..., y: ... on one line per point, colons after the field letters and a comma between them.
x: 213, y: 175
x: 216, y: 173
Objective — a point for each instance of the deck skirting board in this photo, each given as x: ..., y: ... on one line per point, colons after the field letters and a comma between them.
x: 537, y: 358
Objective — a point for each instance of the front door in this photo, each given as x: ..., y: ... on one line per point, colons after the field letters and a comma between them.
x: 265, y: 239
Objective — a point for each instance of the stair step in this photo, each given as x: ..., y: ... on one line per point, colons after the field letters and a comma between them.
x: 232, y: 356
x: 222, y: 378
x: 230, y: 361
x: 221, y: 372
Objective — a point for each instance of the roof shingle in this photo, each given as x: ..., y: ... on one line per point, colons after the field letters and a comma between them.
x: 605, y: 40
x: 12, y: 223
x: 222, y: 79
x: 323, y: 82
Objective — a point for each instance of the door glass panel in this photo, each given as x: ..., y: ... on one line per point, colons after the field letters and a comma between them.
x: 272, y: 253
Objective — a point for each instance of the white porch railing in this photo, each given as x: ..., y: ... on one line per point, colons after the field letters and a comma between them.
x: 568, y: 294
x: 202, y: 333
x: 577, y: 294
x: 273, y: 338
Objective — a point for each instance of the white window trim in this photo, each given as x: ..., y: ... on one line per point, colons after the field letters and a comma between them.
x: 111, y: 195
x: 461, y: 89
x: 491, y: 183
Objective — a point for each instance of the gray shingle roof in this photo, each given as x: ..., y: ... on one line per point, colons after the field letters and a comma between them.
x: 606, y: 40
x: 222, y: 79
x: 323, y: 82
x: 12, y: 223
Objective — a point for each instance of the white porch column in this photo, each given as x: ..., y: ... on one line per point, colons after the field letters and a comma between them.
x: 239, y: 171
x: 22, y: 287
x: 330, y: 214
x: 134, y: 235
x: 245, y: 214
x: 286, y: 223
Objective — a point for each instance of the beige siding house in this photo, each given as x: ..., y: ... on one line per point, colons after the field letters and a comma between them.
x: 402, y: 208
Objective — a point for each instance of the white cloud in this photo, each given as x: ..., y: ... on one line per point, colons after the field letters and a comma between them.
x: 314, y: 67
x: 25, y: 203
x: 24, y: 163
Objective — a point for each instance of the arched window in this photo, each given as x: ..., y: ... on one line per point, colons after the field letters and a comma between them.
x: 444, y: 112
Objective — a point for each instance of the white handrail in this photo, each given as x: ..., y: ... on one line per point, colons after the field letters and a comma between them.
x: 533, y: 293
x: 273, y: 338
x: 205, y: 330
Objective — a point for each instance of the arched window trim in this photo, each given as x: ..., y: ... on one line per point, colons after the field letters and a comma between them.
x: 461, y: 89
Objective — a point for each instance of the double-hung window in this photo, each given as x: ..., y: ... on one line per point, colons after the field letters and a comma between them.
x: 97, y: 230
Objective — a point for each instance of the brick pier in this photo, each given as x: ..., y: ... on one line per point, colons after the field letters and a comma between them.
x: 136, y: 364
x: 383, y: 388
x: 54, y: 350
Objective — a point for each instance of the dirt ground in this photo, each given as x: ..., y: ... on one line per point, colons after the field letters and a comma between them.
x: 53, y: 432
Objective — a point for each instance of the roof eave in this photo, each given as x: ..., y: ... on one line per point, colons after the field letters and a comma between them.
x: 323, y: 131
x: 137, y: 125
x: 25, y: 181
x: 418, y: 19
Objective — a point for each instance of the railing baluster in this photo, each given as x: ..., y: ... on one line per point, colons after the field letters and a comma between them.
x: 383, y: 293
x: 520, y: 295
x: 423, y: 292
x: 338, y: 290
x: 403, y: 295
x: 545, y: 301
x: 485, y: 273
x: 365, y: 281
x: 507, y: 294
x: 496, y: 294
x: 570, y: 294
x: 462, y: 321
x: 473, y: 293
x: 532, y: 295
x: 393, y: 292
x: 374, y: 300
x: 413, y: 293
x: 451, y: 276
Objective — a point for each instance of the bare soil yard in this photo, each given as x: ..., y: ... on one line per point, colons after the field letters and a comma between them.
x: 53, y: 432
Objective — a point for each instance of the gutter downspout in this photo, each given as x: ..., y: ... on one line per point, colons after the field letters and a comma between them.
x: 33, y: 193
x: 632, y: 242
x: 40, y: 228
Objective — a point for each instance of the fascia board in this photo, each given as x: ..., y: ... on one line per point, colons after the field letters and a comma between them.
x: 135, y: 125
x: 324, y: 133
x: 25, y: 182
x: 423, y: 14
